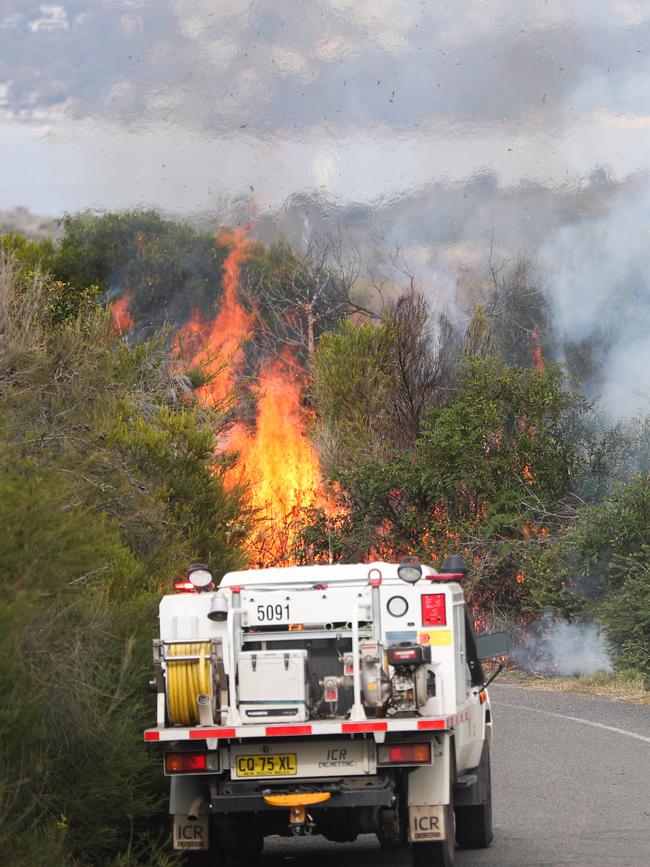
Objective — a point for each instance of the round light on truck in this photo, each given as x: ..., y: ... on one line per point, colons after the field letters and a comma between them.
x: 199, y: 576
x: 397, y: 606
x: 410, y: 572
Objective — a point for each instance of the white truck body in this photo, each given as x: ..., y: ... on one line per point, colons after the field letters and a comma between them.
x: 343, y: 682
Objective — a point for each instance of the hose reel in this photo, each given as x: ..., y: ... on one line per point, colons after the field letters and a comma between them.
x: 189, y: 675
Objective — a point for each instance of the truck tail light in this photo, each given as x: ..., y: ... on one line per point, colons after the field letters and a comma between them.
x: 404, y: 754
x: 182, y: 585
x: 434, y: 612
x: 185, y: 763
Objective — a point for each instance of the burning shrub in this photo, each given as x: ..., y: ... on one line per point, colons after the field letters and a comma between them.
x: 487, y: 473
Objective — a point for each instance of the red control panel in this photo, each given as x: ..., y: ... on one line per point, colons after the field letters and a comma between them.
x: 433, y: 609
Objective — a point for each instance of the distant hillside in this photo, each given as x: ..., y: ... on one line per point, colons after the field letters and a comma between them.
x: 22, y: 220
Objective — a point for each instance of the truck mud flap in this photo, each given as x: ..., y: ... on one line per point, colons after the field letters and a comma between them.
x: 428, y: 824
x: 472, y: 788
x: 191, y: 832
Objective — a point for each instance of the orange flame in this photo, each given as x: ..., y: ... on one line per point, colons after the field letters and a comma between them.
x: 528, y: 474
x: 276, y: 461
x: 122, y: 318
x: 217, y: 346
x: 538, y: 358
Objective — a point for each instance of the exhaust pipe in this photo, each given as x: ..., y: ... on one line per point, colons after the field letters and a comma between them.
x: 195, y: 808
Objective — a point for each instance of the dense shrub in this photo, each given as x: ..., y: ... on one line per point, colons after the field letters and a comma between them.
x: 108, y: 486
x: 599, y: 568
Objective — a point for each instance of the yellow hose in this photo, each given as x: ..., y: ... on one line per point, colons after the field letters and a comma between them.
x: 186, y: 680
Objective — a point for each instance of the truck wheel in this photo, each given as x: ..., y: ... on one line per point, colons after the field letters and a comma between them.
x: 436, y: 854
x: 240, y: 838
x: 474, y: 823
x: 209, y: 858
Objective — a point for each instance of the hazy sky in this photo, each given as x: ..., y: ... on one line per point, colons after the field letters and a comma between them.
x: 451, y: 123
x: 178, y: 103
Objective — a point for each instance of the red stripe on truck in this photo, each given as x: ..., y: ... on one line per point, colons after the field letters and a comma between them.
x: 431, y: 724
x: 351, y: 728
x: 201, y: 734
x: 279, y: 731
x: 151, y: 735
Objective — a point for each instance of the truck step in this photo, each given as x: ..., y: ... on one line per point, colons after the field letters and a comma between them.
x: 465, y: 781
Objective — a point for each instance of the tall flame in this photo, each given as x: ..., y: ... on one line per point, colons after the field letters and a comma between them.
x: 276, y: 462
x: 217, y: 345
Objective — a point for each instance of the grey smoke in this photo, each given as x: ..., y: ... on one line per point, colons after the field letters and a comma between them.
x: 275, y: 66
x: 563, y: 649
x: 178, y: 103
x: 449, y: 124
x: 598, y: 278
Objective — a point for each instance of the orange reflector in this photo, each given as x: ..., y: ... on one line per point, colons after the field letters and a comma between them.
x: 404, y: 754
x: 482, y: 696
x: 300, y: 799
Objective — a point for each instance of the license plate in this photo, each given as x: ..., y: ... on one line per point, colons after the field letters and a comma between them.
x: 278, y: 765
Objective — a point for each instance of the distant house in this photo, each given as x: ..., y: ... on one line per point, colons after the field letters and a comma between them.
x: 51, y: 18
x: 10, y: 21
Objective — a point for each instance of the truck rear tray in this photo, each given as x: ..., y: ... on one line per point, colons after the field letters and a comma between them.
x: 315, y: 727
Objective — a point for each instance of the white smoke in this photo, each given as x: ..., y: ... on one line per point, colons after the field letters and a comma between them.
x: 598, y: 272
x: 564, y: 649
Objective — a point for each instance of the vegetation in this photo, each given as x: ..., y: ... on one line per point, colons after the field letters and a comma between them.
x: 107, y: 488
x: 484, y: 476
x: 436, y: 439
x: 599, y: 566
x: 617, y: 687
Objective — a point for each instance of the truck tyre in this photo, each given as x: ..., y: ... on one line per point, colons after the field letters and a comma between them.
x: 437, y: 854
x: 241, y: 841
x: 474, y: 823
x: 200, y: 859
x: 212, y: 857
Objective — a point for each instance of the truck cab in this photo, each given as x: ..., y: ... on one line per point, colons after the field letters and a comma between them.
x: 335, y: 700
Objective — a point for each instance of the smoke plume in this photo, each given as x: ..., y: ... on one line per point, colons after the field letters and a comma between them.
x: 598, y: 278
x: 563, y: 649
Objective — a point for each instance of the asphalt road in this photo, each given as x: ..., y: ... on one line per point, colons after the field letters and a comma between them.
x: 571, y: 785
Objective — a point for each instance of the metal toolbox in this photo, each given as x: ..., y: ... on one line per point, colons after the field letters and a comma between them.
x: 273, y: 686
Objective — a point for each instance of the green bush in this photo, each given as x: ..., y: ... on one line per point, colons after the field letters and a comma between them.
x: 486, y: 469
x: 108, y: 487
x: 599, y: 568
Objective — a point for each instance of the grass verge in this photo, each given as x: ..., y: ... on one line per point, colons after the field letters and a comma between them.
x: 618, y: 687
